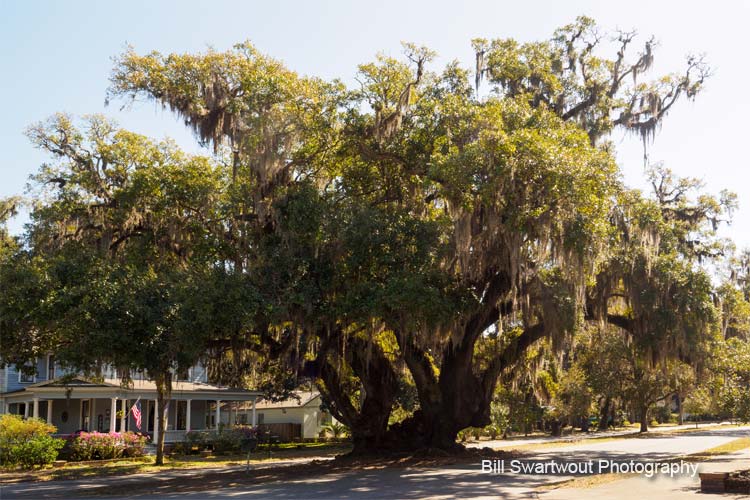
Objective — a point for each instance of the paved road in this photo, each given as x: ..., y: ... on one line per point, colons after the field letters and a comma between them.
x: 461, y: 481
x: 516, y: 441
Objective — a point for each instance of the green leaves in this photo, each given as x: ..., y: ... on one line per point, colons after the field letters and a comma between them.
x: 406, y: 217
x: 566, y: 75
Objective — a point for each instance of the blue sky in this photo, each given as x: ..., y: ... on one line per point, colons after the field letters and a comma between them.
x: 56, y: 56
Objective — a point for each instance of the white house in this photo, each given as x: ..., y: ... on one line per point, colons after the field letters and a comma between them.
x: 76, y: 403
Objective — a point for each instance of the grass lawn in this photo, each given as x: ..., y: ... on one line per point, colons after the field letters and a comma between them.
x: 724, y: 449
x: 287, y: 451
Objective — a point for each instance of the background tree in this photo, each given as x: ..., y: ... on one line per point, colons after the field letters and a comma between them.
x: 117, y: 227
x: 652, y: 286
x: 733, y: 379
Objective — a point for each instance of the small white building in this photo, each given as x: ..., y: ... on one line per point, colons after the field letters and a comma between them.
x: 304, y: 409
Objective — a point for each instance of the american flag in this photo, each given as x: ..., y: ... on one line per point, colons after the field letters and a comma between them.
x: 136, y: 410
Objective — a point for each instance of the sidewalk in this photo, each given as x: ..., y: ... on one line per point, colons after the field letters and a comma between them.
x: 661, y: 487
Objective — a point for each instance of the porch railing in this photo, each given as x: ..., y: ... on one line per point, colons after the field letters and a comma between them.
x: 172, y: 436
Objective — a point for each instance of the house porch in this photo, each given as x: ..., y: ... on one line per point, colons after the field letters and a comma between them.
x: 105, y: 408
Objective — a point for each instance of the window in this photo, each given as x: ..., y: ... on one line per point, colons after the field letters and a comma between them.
x: 183, y: 374
x: 198, y: 373
x: 27, y: 377
x: 181, y: 424
x: 50, y: 367
x: 261, y: 419
x: 85, y: 417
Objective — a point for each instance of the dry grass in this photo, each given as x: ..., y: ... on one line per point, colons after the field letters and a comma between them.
x: 146, y: 464
x: 724, y: 449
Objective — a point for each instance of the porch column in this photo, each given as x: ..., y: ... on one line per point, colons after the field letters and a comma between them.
x: 255, y: 420
x: 187, y: 415
x: 218, y: 413
x: 36, y: 407
x: 49, y: 411
x: 112, y: 415
x: 124, y: 405
x: 156, y: 421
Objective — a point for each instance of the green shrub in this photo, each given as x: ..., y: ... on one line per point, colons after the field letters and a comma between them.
x: 27, y: 442
x: 223, y: 440
x: 337, y: 430
x: 181, y: 448
x: 197, y: 439
x: 493, y: 431
x: 661, y: 414
x: 462, y: 436
x: 226, y: 441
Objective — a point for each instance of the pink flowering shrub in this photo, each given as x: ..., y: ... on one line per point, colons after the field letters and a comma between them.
x: 104, y: 446
x: 135, y: 444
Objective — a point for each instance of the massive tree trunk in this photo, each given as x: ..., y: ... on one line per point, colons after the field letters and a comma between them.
x: 453, y: 392
x: 368, y: 423
x: 454, y: 400
x: 459, y: 396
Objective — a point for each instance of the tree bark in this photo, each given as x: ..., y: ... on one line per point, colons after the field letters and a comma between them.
x: 556, y: 428
x: 369, y: 423
x: 644, y: 418
x: 459, y: 397
x: 449, y: 402
x: 604, y: 414
x: 163, y: 392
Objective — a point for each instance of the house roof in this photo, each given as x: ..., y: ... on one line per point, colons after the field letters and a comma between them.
x: 60, y: 382
x: 135, y: 387
x: 302, y: 398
